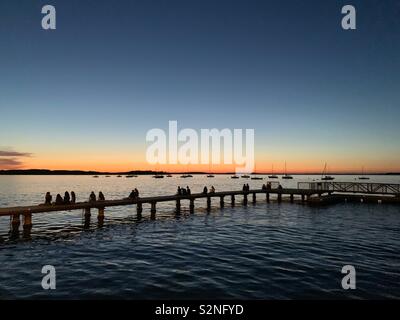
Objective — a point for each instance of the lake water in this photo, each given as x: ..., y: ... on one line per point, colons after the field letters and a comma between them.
x: 262, y: 251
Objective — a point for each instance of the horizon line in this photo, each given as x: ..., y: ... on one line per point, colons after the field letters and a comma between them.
x: 88, y: 172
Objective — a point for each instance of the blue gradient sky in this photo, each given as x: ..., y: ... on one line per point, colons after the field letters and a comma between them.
x: 114, y: 69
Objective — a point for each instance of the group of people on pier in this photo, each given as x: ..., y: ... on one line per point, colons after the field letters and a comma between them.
x: 134, y: 194
x: 205, y: 190
x: 92, y: 197
x: 70, y: 198
x: 183, y: 191
x: 268, y: 186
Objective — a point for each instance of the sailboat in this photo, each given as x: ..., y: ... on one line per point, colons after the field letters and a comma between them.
x: 324, y: 176
x: 186, y: 176
x: 363, y: 177
x: 209, y: 170
x: 286, y: 176
x: 255, y: 177
x: 158, y: 175
x: 273, y: 176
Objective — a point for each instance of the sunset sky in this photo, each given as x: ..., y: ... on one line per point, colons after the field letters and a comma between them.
x: 84, y: 95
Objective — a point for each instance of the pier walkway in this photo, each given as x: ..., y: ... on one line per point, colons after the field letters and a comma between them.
x: 311, y: 192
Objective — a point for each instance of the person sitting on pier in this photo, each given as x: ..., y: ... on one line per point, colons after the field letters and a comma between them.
x: 212, y: 189
x: 48, y: 198
x: 101, y: 196
x: 188, y: 190
x: 264, y: 187
x: 92, y: 197
x: 132, y: 195
x: 59, y: 199
x: 67, y: 198
x: 269, y: 186
x: 280, y: 187
x: 205, y: 190
x: 73, y: 197
x: 183, y: 191
x: 179, y: 192
x: 244, y: 187
x: 136, y: 193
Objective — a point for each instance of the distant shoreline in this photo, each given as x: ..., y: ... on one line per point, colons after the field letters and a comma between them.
x: 46, y: 172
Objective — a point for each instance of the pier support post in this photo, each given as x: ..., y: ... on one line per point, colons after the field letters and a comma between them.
x: 87, y: 213
x: 87, y: 218
x: 267, y: 196
x: 232, y: 200
x: 153, y: 210
x: 27, y: 221
x: 279, y: 197
x: 208, y: 204
x: 291, y: 198
x: 15, y: 223
x: 254, y: 198
x: 245, y: 199
x: 302, y: 198
x: 100, y: 216
x: 221, y: 201
x: 27, y: 224
x: 178, y: 206
x: 191, y: 206
x: 139, y: 209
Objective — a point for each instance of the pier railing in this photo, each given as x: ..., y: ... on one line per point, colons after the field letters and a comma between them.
x: 355, y: 187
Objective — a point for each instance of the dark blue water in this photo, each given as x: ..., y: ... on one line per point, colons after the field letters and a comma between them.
x: 266, y: 251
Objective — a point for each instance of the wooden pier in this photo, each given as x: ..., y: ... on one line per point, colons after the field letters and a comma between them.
x: 307, y: 192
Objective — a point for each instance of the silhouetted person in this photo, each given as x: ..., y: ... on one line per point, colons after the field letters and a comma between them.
x: 48, y: 198
x: 205, y: 190
x: 188, y: 190
x: 101, y: 196
x: 132, y: 195
x: 247, y: 187
x: 269, y: 186
x: 59, y: 199
x: 67, y: 198
x: 264, y: 187
x: 136, y: 193
x: 179, y: 192
x: 244, y: 187
x: 212, y: 189
x: 183, y: 191
x: 280, y: 187
x: 92, y: 197
x: 73, y: 197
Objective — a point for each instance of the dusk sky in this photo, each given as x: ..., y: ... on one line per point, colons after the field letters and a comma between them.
x: 84, y: 95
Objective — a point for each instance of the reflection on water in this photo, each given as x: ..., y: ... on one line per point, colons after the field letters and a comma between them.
x: 259, y: 251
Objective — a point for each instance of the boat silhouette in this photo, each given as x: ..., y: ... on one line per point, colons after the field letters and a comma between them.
x: 286, y: 176
x: 324, y: 176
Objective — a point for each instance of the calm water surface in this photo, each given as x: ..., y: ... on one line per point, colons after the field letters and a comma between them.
x: 263, y: 251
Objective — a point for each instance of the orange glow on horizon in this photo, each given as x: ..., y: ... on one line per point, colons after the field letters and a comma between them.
x: 115, y: 165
